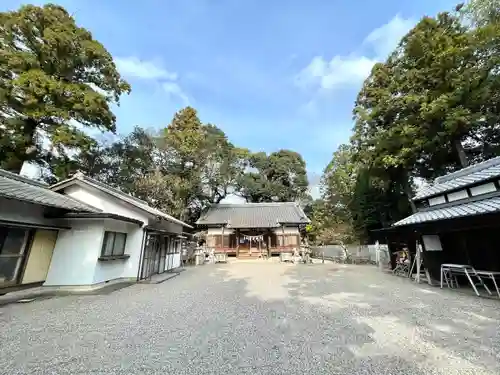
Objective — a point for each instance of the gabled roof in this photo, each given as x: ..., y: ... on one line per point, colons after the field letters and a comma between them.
x: 254, y: 215
x: 483, y: 206
x: 472, y: 175
x: 21, y: 188
x: 136, y: 202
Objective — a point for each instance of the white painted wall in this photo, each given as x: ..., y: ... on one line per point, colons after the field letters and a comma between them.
x: 23, y: 212
x: 75, y: 255
x: 437, y: 200
x: 457, y: 195
x: 105, y: 202
x: 110, y: 204
x: 483, y: 189
x: 286, y: 230
x: 118, y: 268
x: 75, y: 258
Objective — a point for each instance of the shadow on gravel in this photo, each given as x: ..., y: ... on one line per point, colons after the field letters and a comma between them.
x: 435, y: 328
x: 27, y: 297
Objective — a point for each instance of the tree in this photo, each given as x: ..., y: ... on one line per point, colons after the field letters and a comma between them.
x: 278, y: 177
x: 194, y: 165
x: 481, y: 12
x: 54, y: 78
x: 436, y: 93
x: 224, y: 164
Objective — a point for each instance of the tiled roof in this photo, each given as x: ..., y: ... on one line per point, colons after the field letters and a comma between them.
x: 139, y: 203
x: 254, y: 215
x: 473, y: 174
x: 13, y: 186
x: 479, y: 207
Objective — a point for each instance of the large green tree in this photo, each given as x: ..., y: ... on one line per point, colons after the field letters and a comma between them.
x: 224, y: 164
x: 194, y: 165
x: 278, y: 177
x: 481, y: 12
x: 55, y: 80
x: 437, y: 93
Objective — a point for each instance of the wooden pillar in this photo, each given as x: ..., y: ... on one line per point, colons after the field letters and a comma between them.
x: 283, y: 235
x: 269, y: 243
x: 260, y: 250
x: 237, y: 242
x: 222, y: 237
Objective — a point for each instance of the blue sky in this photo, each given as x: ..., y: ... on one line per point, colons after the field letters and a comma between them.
x: 271, y: 74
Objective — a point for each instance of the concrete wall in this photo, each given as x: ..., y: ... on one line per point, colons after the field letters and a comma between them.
x: 110, y: 204
x: 23, y: 212
x: 106, y: 202
x: 337, y: 252
x: 113, y: 269
x: 75, y: 259
x: 75, y: 255
x: 40, y: 256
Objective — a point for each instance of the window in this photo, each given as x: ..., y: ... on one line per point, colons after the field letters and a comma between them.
x: 12, y: 248
x: 114, y: 244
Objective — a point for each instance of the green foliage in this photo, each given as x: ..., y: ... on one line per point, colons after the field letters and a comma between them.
x: 187, y: 166
x: 481, y: 12
x: 432, y: 107
x: 434, y: 94
x: 278, y: 177
x: 52, y: 74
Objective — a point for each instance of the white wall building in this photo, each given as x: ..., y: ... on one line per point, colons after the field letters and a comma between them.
x: 81, y: 234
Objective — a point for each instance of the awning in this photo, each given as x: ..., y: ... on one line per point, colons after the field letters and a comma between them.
x: 479, y: 207
x: 21, y: 224
x: 98, y: 215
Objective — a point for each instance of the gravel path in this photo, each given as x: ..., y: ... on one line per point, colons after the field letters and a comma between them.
x: 257, y: 318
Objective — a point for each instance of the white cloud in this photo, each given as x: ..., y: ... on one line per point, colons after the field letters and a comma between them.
x: 351, y: 70
x: 135, y: 68
x: 174, y: 90
x: 314, y: 185
x: 385, y: 38
x: 339, y: 71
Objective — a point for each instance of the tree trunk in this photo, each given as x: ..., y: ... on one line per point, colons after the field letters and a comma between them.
x: 409, y: 193
x: 24, y: 148
x: 462, y: 158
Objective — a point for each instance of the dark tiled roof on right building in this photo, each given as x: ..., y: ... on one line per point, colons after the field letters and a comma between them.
x: 471, y: 191
x: 473, y: 174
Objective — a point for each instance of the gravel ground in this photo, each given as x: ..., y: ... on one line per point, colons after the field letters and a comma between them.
x: 257, y: 318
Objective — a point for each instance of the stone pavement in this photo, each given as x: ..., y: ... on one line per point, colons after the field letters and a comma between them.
x: 257, y: 318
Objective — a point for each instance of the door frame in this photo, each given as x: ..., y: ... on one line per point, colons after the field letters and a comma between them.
x: 23, y: 256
